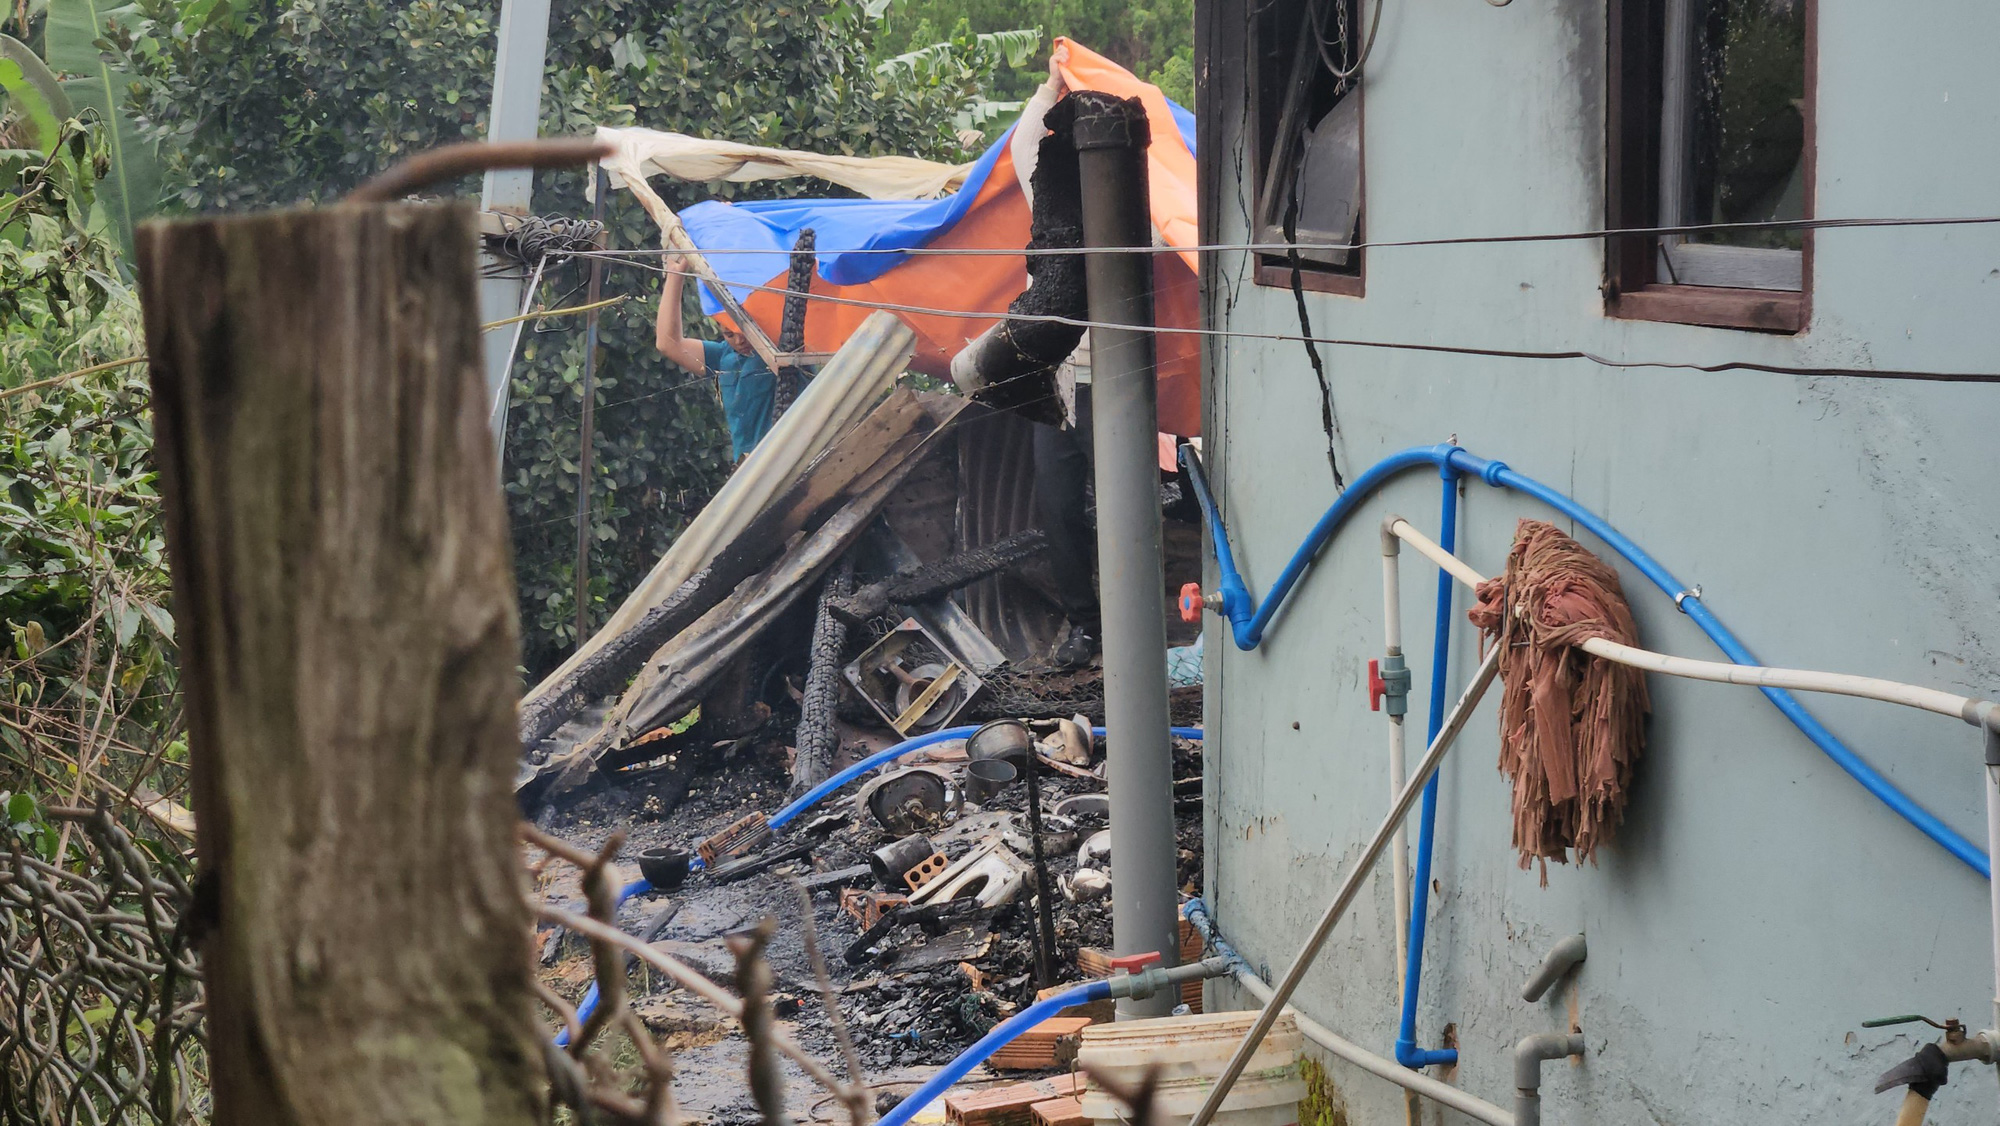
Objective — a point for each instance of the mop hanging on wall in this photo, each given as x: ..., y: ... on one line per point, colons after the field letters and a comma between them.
x: 1571, y: 725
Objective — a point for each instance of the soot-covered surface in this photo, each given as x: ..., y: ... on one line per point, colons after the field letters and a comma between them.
x: 904, y: 1022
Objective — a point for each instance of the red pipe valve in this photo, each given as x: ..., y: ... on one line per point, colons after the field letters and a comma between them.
x: 1389, y: 679
x: 1133, y: 963
x: 1192, y: 602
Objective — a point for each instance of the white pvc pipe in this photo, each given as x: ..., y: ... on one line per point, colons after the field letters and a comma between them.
x: 1433, y: 551
x: 1399, y: 856
x: 1350, y: 887
x: 1804, y: 680
x: 1435, y: 1090
x: 1974, y: 711
x: 1723, y: 672
x: 1993, y: 849
x: 1392, y: 598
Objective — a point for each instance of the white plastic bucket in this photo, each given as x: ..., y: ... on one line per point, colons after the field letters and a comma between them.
x: 1189, y: 1053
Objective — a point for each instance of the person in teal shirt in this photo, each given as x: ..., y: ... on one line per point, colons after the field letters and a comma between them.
x: 749, y: 389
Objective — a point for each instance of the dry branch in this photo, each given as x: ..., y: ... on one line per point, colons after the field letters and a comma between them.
x: 690, y: 979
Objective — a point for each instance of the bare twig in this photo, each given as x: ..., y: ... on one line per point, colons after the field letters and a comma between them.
x: 659, y: 1109
x: 753, y: 981
x: 691, y: 980
x: 563, y: 1010
x: 10, y: 392
x: 603, y: 899
x: 860, y: 1109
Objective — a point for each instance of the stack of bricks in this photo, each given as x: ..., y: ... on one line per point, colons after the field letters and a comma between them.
x: 1013, y: 1105
x: 1094, y: 962
x: 1035, y: 1049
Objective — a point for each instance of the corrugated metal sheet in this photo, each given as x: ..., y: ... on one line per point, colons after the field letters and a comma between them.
x: 996, y: 474
x: 833, y: 402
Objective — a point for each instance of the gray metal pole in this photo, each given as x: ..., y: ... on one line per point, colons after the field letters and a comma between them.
x: 587, y: 428
x: 1111, y: 138
x: 516, y: 116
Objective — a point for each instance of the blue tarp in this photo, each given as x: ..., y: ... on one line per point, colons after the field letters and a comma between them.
x: 840, y: 225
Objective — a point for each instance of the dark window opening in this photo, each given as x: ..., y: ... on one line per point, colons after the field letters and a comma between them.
x: 1711, y: 124
x: 1308, y: 115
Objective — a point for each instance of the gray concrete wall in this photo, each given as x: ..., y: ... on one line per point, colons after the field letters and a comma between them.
x: 1758, y: 904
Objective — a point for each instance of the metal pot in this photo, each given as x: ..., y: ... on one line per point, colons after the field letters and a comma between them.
x: 664, y: 868
x: 1007, y: 739
x: 985, y: 778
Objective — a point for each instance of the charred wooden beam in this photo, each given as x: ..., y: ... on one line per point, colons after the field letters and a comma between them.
x: 934, y: 580
x: 818, y: 738
x: 609, y: 669
x: 792, y: 329
x: 1012, y: 365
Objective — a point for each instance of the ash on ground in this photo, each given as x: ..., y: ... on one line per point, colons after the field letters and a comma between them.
x: 914, y: 999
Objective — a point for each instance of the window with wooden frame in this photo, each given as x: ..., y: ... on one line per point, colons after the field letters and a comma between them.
x: 1306, y: 99
x: 1711, y: 124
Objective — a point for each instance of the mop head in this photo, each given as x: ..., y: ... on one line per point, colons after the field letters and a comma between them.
x: 1571, y: 725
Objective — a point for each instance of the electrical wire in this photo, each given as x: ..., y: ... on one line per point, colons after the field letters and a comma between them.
x: 1387, y: 345
x: 1750, y: 227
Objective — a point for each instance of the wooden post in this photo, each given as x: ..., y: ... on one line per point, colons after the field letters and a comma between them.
x: 792, y: 329
x: 348, y: 647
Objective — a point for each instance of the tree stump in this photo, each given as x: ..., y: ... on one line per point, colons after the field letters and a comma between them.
x: 349, y: 648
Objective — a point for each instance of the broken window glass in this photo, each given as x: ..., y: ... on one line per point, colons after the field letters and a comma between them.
x: 1311, y: 109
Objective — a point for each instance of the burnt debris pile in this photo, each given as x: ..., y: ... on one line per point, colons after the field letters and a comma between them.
x: 923, y: 886
x: 921, y: 573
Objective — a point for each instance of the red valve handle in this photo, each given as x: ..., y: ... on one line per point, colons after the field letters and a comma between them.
x: 1133, y: 963
x: 1192, y: 602
x: 1377, y: 687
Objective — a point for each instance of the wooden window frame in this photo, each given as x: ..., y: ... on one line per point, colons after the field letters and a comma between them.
x: 1273, y: 270
x: 1632, y: 289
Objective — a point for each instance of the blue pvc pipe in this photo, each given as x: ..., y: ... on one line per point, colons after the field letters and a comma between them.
x: 1497, y: 474
x: 1249, y: 618
x: 1003, y: 1033
x: 820, y: 792
x: 588, y: 1005
x: 1407, y: 1052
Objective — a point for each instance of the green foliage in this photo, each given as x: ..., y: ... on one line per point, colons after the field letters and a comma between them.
x: 1175, y: 78
x: 279, y: 103
x: 87, y: 680
x: 1323, y: 1104
x: 21, y: 822
x: 31, y: 95
x: 1145, y: 38
x: 967, y: 61
x: 270, y: 104
x: 56, y: 275
x: 74, y: 30
x: 993, y: 49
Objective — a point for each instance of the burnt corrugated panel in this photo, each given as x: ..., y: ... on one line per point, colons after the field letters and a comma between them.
x: 996, y: 498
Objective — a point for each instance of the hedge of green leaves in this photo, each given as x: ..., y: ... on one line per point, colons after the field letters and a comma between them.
x: 87, y: 664
x: 262, y: 104
x: 1153, y: 40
